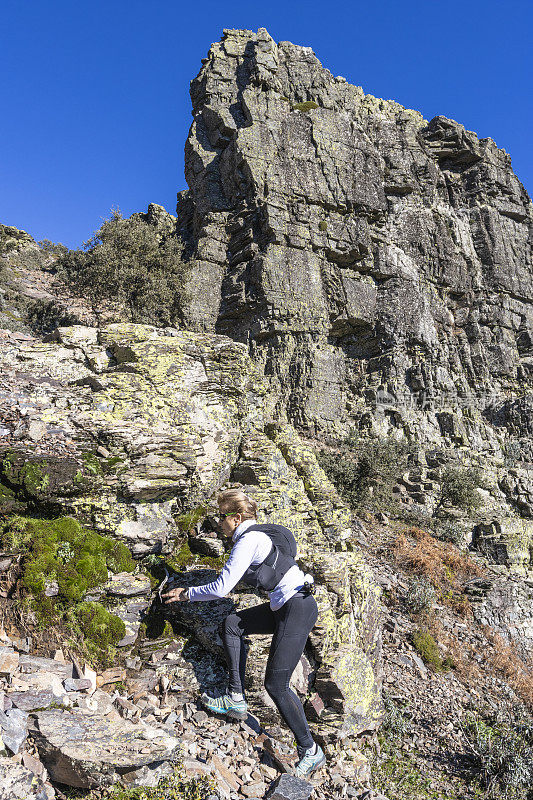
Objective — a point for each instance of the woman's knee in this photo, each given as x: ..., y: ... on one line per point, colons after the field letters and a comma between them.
x: 277, y: 683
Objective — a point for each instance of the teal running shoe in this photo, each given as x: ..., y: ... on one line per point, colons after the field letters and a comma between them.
x: 310, y: 761
x: 236, y: 709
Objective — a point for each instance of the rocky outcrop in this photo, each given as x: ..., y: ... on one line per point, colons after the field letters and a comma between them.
x: 377, y: 266
x: 127, y: 427
x: 355, y: 245
x: 505, y: 604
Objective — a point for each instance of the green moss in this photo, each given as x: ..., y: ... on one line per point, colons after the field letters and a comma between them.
x: 307, y: 106
x: 427, y: 648
x: 111, y: 463
x: 322, y: 225
x: 62, y: 550
x: 30, y: 476
x: 187, y: 521
x: 91, y: 463
x: 183, y: 558
x: 6, y: 493
x: 99, y: 625
x: 186, y: 558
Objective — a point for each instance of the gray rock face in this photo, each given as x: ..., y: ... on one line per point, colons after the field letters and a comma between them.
x: 378, y: 266
x: 354, y: 245
x: 505, y: 605
x: 13, y: 728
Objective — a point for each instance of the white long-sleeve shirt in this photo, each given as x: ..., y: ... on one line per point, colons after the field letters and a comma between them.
x: 250, y: 549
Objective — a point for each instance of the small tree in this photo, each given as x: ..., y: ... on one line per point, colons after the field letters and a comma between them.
x: 459, y: 487
x: 127, y: 261
x: 366, y: 470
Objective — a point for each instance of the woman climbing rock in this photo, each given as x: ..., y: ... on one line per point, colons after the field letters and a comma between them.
x: 263, y: 556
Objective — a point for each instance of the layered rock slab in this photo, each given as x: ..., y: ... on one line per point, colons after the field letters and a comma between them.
x: 85, y: 751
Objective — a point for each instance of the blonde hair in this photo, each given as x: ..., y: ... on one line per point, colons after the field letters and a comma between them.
x: 236, y: 502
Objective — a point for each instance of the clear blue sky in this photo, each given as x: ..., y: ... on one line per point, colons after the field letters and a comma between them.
x: 95, y: 95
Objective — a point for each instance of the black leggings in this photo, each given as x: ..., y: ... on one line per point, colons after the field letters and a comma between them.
x: 291, y: 625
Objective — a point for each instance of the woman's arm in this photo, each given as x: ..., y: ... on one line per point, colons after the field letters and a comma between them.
x: 246, y: 550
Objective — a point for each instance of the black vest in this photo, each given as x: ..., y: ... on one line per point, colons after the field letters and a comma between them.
x: 281, y: 558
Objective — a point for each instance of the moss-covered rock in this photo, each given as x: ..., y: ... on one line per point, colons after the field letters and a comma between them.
x: 38, y: 479
x: 155, y: 422
x: 99, y: 625
x: 62, y: 551
x: 61, y: 562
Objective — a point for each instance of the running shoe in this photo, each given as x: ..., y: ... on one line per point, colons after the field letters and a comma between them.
x: 237, y: 709
x: 309, y: 761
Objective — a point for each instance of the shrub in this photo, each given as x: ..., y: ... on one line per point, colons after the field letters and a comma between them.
x: 128, y: 262
x: 420, y: 595
x: 427, y: 648
x: 505, y: 660
x: 52, y: 248
x: 450, y: 531
x: 503, y: 748
x: 423, y: 556
x: 459, y: 487
x: 365, y: 471
x: 396, y: 722
x: 307, y: 106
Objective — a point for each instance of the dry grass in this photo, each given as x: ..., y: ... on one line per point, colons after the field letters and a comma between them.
x: 500, y: 659
x: 441, y: 563
x: 461, y: 652
x: 504, y: 659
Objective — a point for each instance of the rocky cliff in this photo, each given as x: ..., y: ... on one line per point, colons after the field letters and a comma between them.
x: 378, y: 266
x: 373, y: 261
x: 352, y: 267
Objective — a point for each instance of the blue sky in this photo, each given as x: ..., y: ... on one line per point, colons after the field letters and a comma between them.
x: 95, y: 95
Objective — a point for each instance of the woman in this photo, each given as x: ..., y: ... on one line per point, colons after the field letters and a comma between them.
x: 263, y: 556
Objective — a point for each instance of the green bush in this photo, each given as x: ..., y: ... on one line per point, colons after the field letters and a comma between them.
x: 427, y: 648
x: 450, y: 531
x: 127, y: 261
x: 459, y: 487
x: 52, y: 248
x: 396, y: 721
x: 365, y: 470
x: 307, y: 106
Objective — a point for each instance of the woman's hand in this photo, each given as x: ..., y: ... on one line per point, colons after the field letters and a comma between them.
x: 175, y: 596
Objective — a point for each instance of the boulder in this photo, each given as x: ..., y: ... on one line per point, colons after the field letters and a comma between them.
x: 88, y: 750
x: 13, y: 728
x: 288, y: 787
